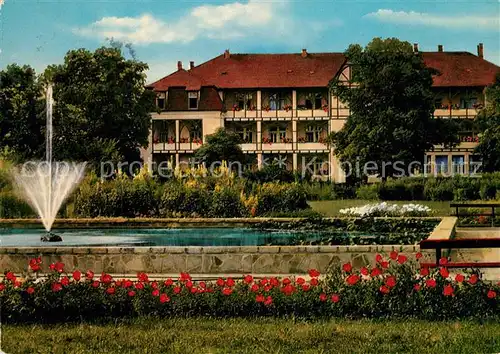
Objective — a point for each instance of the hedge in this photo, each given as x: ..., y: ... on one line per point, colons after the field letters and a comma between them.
x: 392, y: 287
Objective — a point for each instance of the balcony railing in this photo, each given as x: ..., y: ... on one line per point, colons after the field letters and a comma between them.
x: 455, y: 112
x: 183, y: 144
x: 280, y: 113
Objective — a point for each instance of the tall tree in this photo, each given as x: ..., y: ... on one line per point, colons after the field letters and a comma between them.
x: 488, y: 121
x: 102, y: 108
x: 21, y: 113
x: 391, y: 105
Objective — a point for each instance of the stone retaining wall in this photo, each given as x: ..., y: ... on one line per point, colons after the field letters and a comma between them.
x: 200, y: 260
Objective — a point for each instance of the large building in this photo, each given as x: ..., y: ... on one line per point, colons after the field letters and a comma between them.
x: 281, y: 106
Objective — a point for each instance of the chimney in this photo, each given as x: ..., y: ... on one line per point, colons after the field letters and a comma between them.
x: 179, y: 65
x: 191, y: 64
x: 227, y: 55
x: 440, y: 47
x: 304, y: 53
x: 480, y: 50
x: 415, y: 47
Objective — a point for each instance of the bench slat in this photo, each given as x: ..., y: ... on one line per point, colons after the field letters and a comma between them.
x: 461, y: 243
x: 463, y: 265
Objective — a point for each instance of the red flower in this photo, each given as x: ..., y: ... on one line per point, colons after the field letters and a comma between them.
x: 110, y: 290
x: 189, y: 284
x: 313, y: 273
x: 443, y: 261
x: 263, y: 281
x: 402, y: 259
x: 430, y: 283
x: 177, y: 289
x: 154, y: 285
x: 77, y: 275
x: 459, y: 278
x: 394, y: 255
x: 203, y: 285
x: 352, y: 279
x: 335, y: 298
x: 268, y: 301
x: 30, y: 290
x: 127, y: 283
x: 390, y: 281
x: 444, y: 272
x: 227, y: 291
x: 424, y: 272
x: 106, y: 278
x: 473, y: 279
x: 56, y: 287
x: 35, y: 264
x: 118, y: 283
x: 95, y: 284
x: 230, y: 282
x: 254, y: 288
x: 448, y: 290
x: 168, y: 282
x: 10, y: 276
x: 89, y: 275
x: 347, y: 267
x: 491, y: 294
x: 322, y: 297
x: 268, y: 288
x: 143, y: 277
x: 364, y: 271
x: 155, y: 292
x: 2, y: 287
x: 418, y: 255
x: 384, y: 264
x: 194, y: 290
x: 259, y: 298
x: 313, y: 281
x: 288, y: 289
x: 274, y: 282
x: 248, y: 279
x: 286, y: 281
x: 139, y: 286
x: 305, y: 287
x: 300, y: 280
x: 416, y: 287
x: 59, y: 267
x: 384, y: 289
x: 220, y: 282
x: 131, y: 293
x: 379, y: 258
x: 164, y: 298
x: 376, y: 272
x: 65, y: 281
x: 185, y: 277
x: 17, y: 284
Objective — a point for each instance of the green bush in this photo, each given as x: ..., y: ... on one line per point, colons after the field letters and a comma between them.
x: 438, y: 189
x: 13, y: 207
x: 184, y: 200
x: 368, y: 192
x: 226, y: 203
x: 276, y: 197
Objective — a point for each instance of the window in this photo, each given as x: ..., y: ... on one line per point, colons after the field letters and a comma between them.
x: 244, y: 100
x: 276, y: 101
x: 246, y: 135
x: 475, y: 165
x: 458, y: 164
x: 195, y: 132
x: 313, y: 133
x: 442, y: 164
x: 320, y: 167
x: 193, y: 100
x: 468, y: 102
x: 160, y: 100
x: 277, y: 134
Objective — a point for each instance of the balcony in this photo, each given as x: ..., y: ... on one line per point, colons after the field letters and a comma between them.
x: 163, y: 147
x: 281, y: 146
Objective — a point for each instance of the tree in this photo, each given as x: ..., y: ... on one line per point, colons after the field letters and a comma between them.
x: 221, y: 146
x: 21, y: 114
x: 488, y: 121
x: 102, y: 109
x: 391, y: 105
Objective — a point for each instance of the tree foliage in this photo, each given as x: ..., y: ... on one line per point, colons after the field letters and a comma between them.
x: 391, y: 105
x: 221, y: 146
x: 102, y: 109
x: 489, y: 122
x: 21, y: 113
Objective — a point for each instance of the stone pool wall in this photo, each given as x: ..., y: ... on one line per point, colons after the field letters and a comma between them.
x: 200, y: 260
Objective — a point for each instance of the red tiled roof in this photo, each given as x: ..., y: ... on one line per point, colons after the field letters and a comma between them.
x: 457, y: 69
x: 460, y: 69
x: 258, y: 71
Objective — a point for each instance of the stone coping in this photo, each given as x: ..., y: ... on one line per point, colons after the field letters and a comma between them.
x: 209, y: 250
x: 169, y: 222
x: 445, y: 230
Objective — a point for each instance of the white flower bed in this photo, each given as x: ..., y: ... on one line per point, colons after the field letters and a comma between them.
x: 385, y: 209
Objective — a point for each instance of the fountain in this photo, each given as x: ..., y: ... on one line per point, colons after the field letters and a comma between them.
x: 46, y: 184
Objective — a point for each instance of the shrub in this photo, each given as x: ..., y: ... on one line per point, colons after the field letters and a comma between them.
x: 13, y: 207
x: 188, y: 200
x: 368, y: 192
x: 226, y: 203
x: 439, y: 189
x: 276, y: 197
x: 343, y: 191
x: 391, y: 287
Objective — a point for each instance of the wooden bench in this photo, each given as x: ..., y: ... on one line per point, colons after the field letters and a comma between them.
x: 439, y: 245
x: 491, y: 206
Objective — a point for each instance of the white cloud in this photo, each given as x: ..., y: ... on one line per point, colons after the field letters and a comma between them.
x: 1, y: 3
x: 426, y: 19
x: 210, y: 21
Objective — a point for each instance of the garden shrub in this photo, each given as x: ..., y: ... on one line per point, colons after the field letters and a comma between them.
x: 188, y: 200
x: 226, y: 203
x: 392, y: 287
x: 13, y: 207
x: 368, y: 192
x: 343, y: 191
x: 438, y: 189
x: 280, y: 197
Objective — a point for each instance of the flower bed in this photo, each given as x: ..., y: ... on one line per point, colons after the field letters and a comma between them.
x: 385, y: 209
x: 390, y: 288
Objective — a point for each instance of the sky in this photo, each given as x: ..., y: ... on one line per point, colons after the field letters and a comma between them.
x: 162, y: 32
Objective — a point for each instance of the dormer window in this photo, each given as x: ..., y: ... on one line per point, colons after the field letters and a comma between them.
x: 193, y: 100
x: 160, y: 100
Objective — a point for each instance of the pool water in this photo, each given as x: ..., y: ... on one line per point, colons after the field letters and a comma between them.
x: 150, y: 237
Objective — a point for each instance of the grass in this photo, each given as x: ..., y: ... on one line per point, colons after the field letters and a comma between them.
x: 331, y: 207
x: 253, y: 336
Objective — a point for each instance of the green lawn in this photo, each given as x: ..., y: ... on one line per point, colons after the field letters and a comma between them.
x: 332, y: 207
x: 254, y: 336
